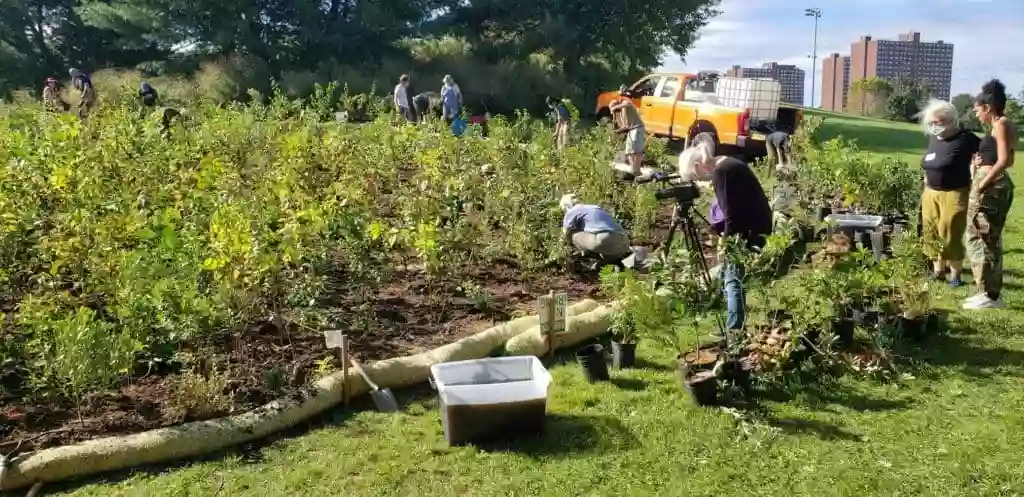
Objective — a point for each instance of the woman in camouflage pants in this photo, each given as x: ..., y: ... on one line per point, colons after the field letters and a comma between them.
x: 991, y: 198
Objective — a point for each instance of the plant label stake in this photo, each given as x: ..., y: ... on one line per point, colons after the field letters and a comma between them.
x: 545, y: 311
x: 339, y: 342
x: 557, y: 319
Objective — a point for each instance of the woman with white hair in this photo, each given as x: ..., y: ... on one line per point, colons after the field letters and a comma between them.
x: 744, y: 212
x: 947, y: 188
x: 592, y: 230
x: 451, y: 99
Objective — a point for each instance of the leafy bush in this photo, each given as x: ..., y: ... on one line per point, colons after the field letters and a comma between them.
x: 120, y: 244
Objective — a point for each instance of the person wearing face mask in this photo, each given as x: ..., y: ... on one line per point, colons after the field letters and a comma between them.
x: 991, y: 197
x: 947, y: 187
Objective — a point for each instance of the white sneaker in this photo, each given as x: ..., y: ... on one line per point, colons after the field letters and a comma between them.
x: 975, y: 298
x: 984, y: 303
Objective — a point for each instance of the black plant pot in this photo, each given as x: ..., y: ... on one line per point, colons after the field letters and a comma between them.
x: 843, y: 330
x: 740, y: 372
x: 863, y: 239
x: 703, y: 388
x: 917, y: 328
x: 591, y: 358
x: 623, y: 354
x: 879, y: 244
x: 822, y: 212
x: 866, y: 319
x: 805, y: 234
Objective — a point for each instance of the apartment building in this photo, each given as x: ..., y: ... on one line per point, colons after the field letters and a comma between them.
x: 790, y: 78
x: 835, y: 82
x: 907, y: 55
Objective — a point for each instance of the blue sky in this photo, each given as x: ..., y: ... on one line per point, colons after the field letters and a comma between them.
x: 988, y: 35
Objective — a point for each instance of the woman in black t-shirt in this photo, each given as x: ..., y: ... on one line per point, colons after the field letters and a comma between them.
x: 947, y: 178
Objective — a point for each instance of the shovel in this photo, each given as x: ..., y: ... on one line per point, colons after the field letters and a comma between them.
x: 383, y: 399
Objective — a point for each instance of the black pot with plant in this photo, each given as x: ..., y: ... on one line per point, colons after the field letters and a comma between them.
x: 623, y: 354
x: 591, y: 359
x: 702, y: 387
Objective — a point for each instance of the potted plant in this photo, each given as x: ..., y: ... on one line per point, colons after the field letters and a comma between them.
x: 915, y: 301
x: 624, y: 339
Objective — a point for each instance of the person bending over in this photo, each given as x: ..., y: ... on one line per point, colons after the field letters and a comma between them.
x: 87, y: 94
x: 593, y: 231
x: 745, y: 214
x: 636, y: 134
x: 947, y: 184
x: 779, y: 152
x: 148, y: 94
x: 991, y: 197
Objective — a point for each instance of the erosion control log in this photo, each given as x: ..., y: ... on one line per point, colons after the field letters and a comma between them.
x: 191, y: 439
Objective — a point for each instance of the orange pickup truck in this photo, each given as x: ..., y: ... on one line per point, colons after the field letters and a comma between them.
x: 732, y: 112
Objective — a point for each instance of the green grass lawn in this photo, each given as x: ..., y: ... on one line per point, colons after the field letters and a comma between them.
x: 953, y: 426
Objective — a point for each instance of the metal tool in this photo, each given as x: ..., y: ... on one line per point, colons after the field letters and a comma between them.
x: 383, y: 399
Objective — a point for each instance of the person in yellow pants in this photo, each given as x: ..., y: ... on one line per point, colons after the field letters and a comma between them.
x: 947, y: 178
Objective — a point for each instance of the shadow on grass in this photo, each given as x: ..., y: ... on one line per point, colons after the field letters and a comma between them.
x: 809, y: 427
x: 630, y: 384
x: 960, y: 345
x: 566, y: 435
x: 821, y: 396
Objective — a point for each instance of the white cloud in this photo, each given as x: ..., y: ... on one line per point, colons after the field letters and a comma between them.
x: 987, y: 39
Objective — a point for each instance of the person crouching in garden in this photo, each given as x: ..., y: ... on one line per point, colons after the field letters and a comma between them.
x: 745, y: 214
x: 593, y: 231
x: 947, y: 183
x: 991, y: 197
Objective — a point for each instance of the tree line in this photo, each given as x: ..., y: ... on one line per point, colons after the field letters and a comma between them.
x: 903, y: 99
x: 570, y: 48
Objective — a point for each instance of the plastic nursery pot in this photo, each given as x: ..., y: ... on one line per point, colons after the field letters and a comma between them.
x: 739, y: 371
x: 591, y: 359
x: 623, y: 354
x: 822, y: 212
x: 916, y: 328
x: 843, y: 330
x: 879, y: 244
x: 866, y: 318
x: 863, y: 239
x: 703, y: 388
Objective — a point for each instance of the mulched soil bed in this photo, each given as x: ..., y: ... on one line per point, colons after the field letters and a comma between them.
x: 409, y: 316
x: 406, y: 319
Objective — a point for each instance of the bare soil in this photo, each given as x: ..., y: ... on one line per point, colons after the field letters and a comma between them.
x: 265, y: 362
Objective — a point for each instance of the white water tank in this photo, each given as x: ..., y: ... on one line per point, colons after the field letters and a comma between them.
x: 761, y: 96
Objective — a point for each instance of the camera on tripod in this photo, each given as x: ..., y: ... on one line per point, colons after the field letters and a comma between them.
x: 684, y: 193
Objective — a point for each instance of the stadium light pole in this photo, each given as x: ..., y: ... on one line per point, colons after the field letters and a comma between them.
x: 816, y: 14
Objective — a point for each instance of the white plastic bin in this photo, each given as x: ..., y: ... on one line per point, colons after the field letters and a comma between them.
x: 485, y: 399
x: 855, y: 221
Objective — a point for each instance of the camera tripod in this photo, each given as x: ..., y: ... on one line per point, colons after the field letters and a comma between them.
x: 683, y: 221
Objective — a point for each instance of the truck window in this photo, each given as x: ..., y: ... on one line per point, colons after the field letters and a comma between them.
x: 646, y: 87
x: 693, y: 91
x: 669, y: 88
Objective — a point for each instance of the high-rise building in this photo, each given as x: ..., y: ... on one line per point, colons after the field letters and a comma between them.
x: 790, y: 78
x: 835, y: 82
x: 925, y: 61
